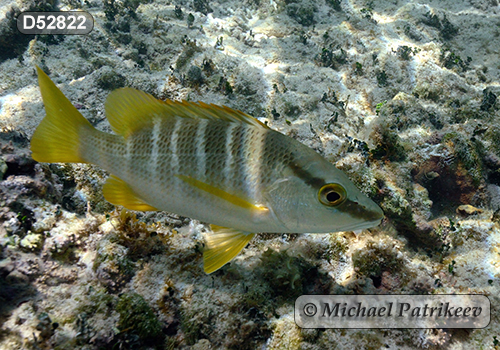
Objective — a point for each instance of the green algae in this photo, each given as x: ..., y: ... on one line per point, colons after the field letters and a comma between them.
x: 111, y: 264
x: 302, y: 11
x: 493, y: 135
x: 286, y: 335
x: 98, y: 301
x: 339, y: 245
x: 468, y: 152
x: 189, y: 50
x: 109, y: 79
x: 137, y: 317
x: 190, y: 327
x: 374, y: 259
x: 388, y: 144
x: 286, y: 275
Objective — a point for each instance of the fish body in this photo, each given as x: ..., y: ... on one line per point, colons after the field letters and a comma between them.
x: 207, y: 162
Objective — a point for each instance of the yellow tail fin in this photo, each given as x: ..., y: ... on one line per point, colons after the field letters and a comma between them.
x: 57, y: 139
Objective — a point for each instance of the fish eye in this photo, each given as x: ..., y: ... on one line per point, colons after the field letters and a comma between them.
x: 332, y: 195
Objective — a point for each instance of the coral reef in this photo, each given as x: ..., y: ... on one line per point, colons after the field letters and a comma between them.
x: 402, y: 96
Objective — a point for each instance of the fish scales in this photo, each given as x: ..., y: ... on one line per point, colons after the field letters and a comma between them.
x: 96, y: 147
x: 235, y: 170
x: 228, y: 143
x: 241, y: 177
x: 186, y: 148
x: 171, y: 146
x: 148, y: 154
x: 206, y: 162
x: 155, y: 149
x: 174, y: 146
x: 201, y: 155
x: 257, y: 154
x: 253, y: 161
x: 215, y: 152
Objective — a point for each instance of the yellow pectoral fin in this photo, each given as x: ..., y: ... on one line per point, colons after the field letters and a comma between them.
x: 231, y: 198
x: 222, y: 246
x: 118, y: 192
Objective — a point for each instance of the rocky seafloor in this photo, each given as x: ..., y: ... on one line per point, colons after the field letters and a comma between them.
x: 400, y: 95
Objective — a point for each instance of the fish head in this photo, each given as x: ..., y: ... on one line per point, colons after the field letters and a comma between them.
x: 313, y: 196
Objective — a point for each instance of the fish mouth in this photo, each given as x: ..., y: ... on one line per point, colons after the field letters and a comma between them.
x: 362, y: 225
x: 376, y: 215
x: 358, y: 227
x: 373, y: 218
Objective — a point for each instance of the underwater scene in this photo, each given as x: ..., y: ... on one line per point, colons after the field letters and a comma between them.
x: 178, y: 176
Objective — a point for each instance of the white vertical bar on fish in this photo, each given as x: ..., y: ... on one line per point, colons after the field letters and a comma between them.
x: 200, y: 148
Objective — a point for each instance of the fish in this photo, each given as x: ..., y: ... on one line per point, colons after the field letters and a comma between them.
x: 207, y: 162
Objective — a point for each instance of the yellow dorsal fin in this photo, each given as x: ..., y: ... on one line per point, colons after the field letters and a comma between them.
x: 118, y: 192
x: 127, y: 109
x: 222, y: 246
x: 234, y: 199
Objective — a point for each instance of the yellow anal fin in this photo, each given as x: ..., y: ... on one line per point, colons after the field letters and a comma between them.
x: 222, y: 246
x: 118, y: 192
x: 231, y: 198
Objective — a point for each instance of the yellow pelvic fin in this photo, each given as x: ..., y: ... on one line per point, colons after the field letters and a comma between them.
x: 58, y: 137
x: 222, y: 246
x: 128, y: 109
x: 118, y: 192
x: 231, y: 198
